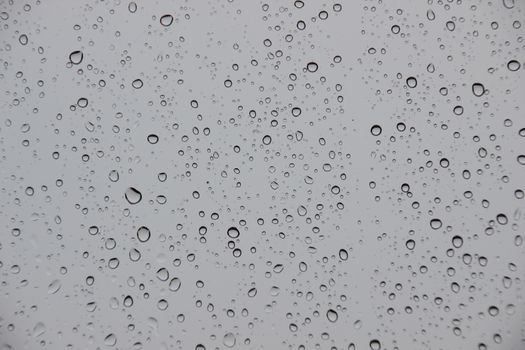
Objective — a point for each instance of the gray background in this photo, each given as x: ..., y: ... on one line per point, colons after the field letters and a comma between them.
x: 384, y: 291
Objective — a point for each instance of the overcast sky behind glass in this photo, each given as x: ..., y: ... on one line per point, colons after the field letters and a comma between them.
x: 262, y: 175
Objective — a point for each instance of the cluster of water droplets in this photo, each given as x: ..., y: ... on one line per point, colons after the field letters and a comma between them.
x: 286, y: 174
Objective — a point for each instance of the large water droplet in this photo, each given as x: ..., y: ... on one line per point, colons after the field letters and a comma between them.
x: 376, y: 130
x: 233, y: 232
x: 143, y: 234
x: 110, y: 340
x: 166, y: 20
x: 411, y: 82
x: 436, y: 224
x: 76, y: 57
x: 343, y: 254
x: 478, y: 89
x: 175, y: 284
x: 312, y: 67
x: 332, y: 315
x: 133, y: 196
x: 375, y: 344
x: 229, y: 340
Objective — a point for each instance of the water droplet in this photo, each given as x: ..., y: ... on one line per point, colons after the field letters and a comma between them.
x: 411, y: 82
x: 39, y: 329
x: 312, y: 67
x: 175, y: 284
x: 502, y: 219
x: 153, y: 139
x: 375, y: 344
x: 143, y: 234
x: 436, y: 224
x: 376, y: 130
x: 233, y: 232
x: 162, y: 304
x: 513, y: 65
x: 163, y: 274
x: 113, y: 176
x: 166, y: 20
x: 137, y: 83
x: 229, y: 340
x: 54, y: 286
x: 76, y: 57
x: 133, y: 196
x: 110, y: 340
x: 132, y: 7
x: 332, y: 315
x: 134, y: 255
x: 267, y: 140
x: 296, y: 111
x: 478, y: 89
x: 23, y: 39
x: 509, y: 4
x: 395, y: 29
x: 458, y: 110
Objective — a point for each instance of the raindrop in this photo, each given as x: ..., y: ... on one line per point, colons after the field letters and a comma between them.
x: 493, y: 311
x: 502, y: 219
x: 233, y: 232
x: 296, y: 111
x: 153, y: 139
x: 267, y: 140
x: 110, y: 340
x: 411, y: 82
x: 458, y: 110
x: 509, y: 4
x: 175, y: 284
x: 312, y: 67
x: 166, y: 20
x: 134, y: 255
x: 137, y: 83
x: 376, y: 130
x: 76, y: 57
x: 513, y: 65
x: 143, y: 234
x: 23, y: 39
x: 332, y: 315
x: 229, y: 340
x: 163, y: 274
x: 436, y: 224
x: 54, y: 287
x: 457, y: 241
x: 39, y: 329
x: 133, y: 196
x: 132, y: 7
x: 375, y: 344
x: 478, y: 89
x: 113, y: 176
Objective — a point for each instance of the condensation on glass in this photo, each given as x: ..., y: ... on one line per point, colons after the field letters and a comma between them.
x: 262, y: 175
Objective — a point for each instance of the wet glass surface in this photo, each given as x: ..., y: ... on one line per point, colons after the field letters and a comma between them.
x: 262, y: 175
